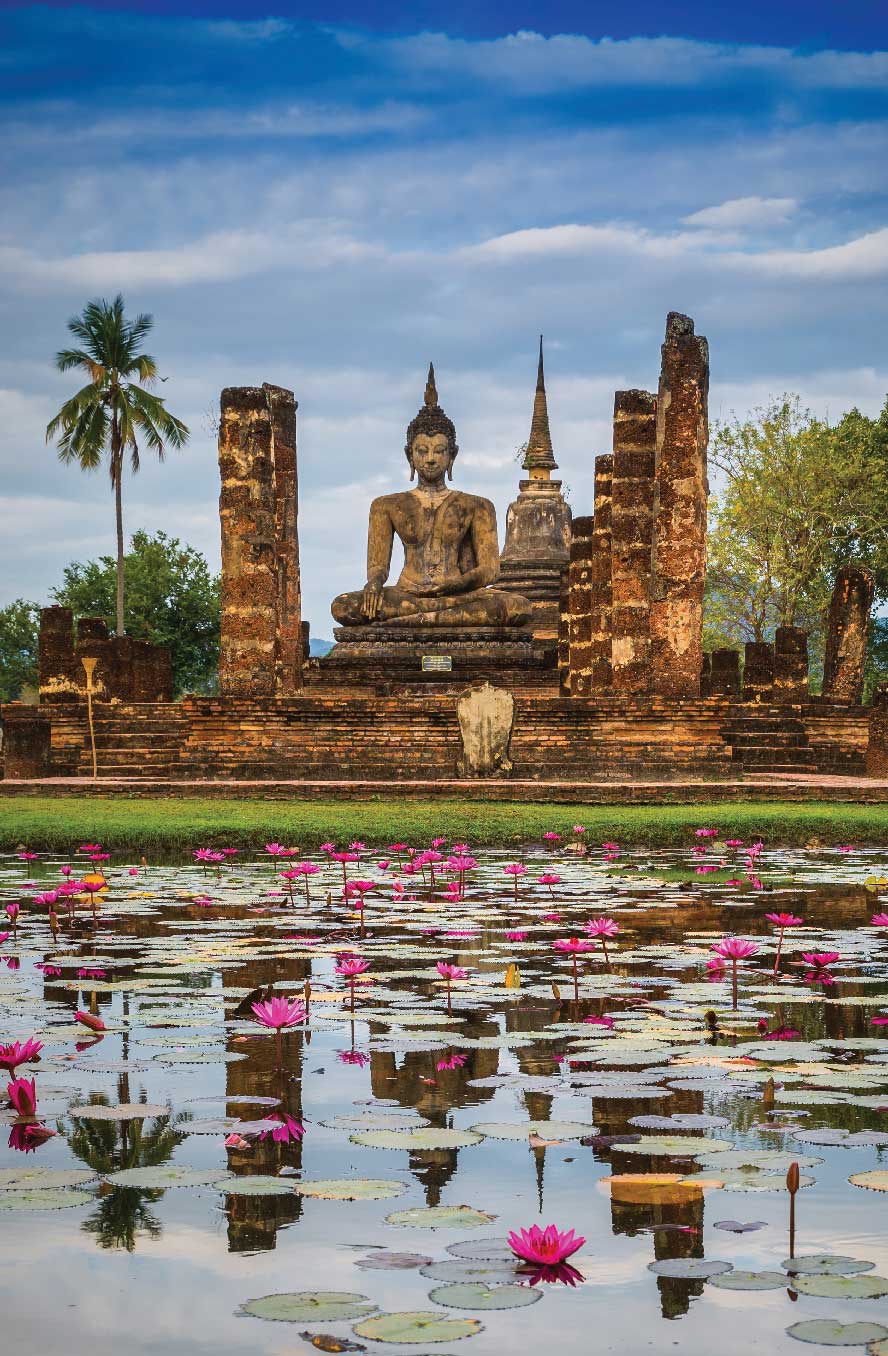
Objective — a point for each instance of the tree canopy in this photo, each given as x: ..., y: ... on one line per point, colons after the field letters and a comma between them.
x: 19, y: 627
x: 171, y: 596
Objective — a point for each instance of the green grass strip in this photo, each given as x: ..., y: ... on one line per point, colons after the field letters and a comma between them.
x: 61, y: 823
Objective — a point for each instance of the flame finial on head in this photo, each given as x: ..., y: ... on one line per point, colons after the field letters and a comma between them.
x: 431, y: 390
x: 431, y: 418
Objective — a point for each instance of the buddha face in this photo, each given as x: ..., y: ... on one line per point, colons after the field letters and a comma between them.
x: 430, y: 455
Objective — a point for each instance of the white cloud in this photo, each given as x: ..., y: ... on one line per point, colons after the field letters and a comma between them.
x: 740, y: 212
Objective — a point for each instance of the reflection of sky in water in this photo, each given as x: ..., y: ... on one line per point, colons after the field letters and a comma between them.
x: 198, y: 1254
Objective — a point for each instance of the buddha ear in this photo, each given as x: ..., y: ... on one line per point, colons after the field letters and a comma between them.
x: 450, y: 469
x: 412, y: 471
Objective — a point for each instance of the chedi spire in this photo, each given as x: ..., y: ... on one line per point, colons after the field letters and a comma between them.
x: 539, y: 458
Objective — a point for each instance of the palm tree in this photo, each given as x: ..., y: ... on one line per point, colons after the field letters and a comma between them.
x: 113, y: 410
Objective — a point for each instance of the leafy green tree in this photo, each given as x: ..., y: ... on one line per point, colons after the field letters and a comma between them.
x: 172, y: 599
x: 799, y: 498
x: 113, y: 411
x: 19, y: 627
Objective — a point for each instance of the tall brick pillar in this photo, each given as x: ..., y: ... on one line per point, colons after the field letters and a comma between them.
x: 632, y: 526
x: 600, y: 669
x: 758, y: 671
x: 877, y: 748
x: 846, y: 634
x: 260, y: 653
x: 56, y: 662
x: 579, y: 602
x: 680, y: 516
x: 790, y: 665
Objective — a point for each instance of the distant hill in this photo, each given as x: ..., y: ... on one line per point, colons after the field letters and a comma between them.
x: 318, y: 648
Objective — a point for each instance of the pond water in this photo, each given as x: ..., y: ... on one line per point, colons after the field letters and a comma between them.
x: 373, y: 1188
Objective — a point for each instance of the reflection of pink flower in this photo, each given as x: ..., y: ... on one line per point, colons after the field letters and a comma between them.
x: 289, y: 1128
x: 28, y: 1138
x: 599, y: 1021
x: 353, y: 1057
x: 278, y: 1013
x: 91, y: 972
x: 11, y: 1056
x: 879, y: 1021
x: 22, y: 1092
x: 516, y: 935
x: 551, y: 917
x: 451, y: 1062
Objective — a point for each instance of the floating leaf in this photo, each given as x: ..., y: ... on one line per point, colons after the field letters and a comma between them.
x: 257, y: 1185
x: 477, y: 1295
x: 749, y: 1280
x: 466, y: 1269
x: 825, y: 1264
x: 522, y: 1130
x: 125, y: 1111
x: 299, y: 1306
x: 171, y: 1175
x: 417, y: 1139
x: 30, y: 1175
x: 830, y: 1332
x: 482, y: 1250
x: 875, y: 1180
x: 392, y: 1261
x: 417, y: 1326
x: 35, y: 1198
x: 440, y: 1217
x: 351, y: 1188
x: 689, y: 1268
x: 841, y: 1287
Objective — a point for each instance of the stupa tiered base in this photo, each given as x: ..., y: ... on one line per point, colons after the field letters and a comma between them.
x: 395, y: 658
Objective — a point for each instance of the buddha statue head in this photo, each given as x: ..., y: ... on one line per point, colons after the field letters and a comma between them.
x: 431, y: 445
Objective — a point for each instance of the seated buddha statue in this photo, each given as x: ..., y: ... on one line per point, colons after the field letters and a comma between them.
x: 451, y: 551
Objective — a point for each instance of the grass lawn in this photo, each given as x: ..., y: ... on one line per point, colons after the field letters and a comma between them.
x: 62, y: 823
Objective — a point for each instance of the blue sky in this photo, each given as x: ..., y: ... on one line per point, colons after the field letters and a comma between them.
x: 323, y: 199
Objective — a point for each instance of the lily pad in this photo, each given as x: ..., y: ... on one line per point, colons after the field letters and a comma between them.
x: 351, y: 1189
x: 522, y: 1130
x: 124, y: 1111
x: 171, y: 1175
x: 418, y: 1326
x: 749, y: 1280
x: 830, y: 1332
x: 825, y: 1264
x: 689, y: 1268
x: 876, y: 1180
x: 30, y: 1176
x: 36, y: 1198
x: 477, y: 1295
x: 676, y: 1146
x: 457, y: 1269
x: 440, y: 1217
x: 481, y: 1250
x: 841, y: 1287
x: 417, y: 1139
x: 393, y: 1261
x: 257, y: 1185
x: 300, y: 1306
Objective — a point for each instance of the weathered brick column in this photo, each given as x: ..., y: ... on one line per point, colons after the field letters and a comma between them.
x: 55, y: 656
x: 758, y: 671
x: 260, y: 652
x: 724, y: 678
x: 632, y: 527
x: 26, y: 741
x: 579, y: 601
x: 680, y: 517
x: 846, y: 634
x: 563, y: 631
x: 600, y: 670
x: 877, y: 748
x: 790, y: 665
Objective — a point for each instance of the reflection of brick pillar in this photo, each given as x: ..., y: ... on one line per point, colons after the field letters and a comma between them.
x: 579, y: 601
x: 725, y: 674
x: 790, y: 664
x: 26, y: 741
x: 758, y: 671
x: 55, y: 651
x: 877, y: 748
x: 632, y: 510
x: 680, y: 522
x: 260, y: 641
x: 600, y: 671
x: 846, y: 634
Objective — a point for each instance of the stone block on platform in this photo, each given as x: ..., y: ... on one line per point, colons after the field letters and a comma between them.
x: 486, y: 716
x: 26, y: 741
x: 724, y: 680
x: 758, y: 671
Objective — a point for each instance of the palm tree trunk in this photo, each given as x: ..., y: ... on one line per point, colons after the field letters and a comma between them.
x: 117, y: 462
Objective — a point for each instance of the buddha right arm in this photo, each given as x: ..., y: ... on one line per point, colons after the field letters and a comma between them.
x: 380, y: 539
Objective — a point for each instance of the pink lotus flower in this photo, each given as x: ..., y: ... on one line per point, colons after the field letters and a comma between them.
x: 327, y: 847
x: 278, y: 1013
x: 516, y: 935
x: 579, y: 828
x: 599, y: 1021
x: 549, y: 878
x: 782, y: 1033
x: 87, y: 1019
x: 551, y: 917
x: 349, y: 967
x: 846, y: 847
x: 451, y: 1062
x: 277, y: 850
x: 547, y: 1250
x: 13, y: 911
x: 782, y: 921
x: 451, y: 972
x: 602, y: 928
x: 706, y: 833
x: 735, y: 949
x: 879, y: 920
x: 820, y: 960
x: 133, y: 871
x: 552, y: 837
x: 27, y: 1138
x: 733, y: 842
x: 4, y: 937
x: 879, y: 1021
x: 28, y: 856
x: 11, y: 1056
x: 48, y: 897
x: 573, y: 947
x: 22, y: 1092
x: 91, y: 972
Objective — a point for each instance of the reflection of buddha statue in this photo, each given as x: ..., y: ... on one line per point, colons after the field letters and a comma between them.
x: 451, y: 552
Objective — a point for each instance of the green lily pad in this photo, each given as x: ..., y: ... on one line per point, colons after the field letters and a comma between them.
x: 457, y: 1269
x: 676, y: 1146
x: 522, y: 1130
x: 125, y: 1111
x: 417, y: 1139
x: 876, y: 1180
x: 351, y: 1189
x: 749, y: 1280
x: 689, y: 1268
x: 440, y: 1217
x: 171, y: 1175
x: 418, y: 1326
x: 309, y: 1306
x: 830, y: 1332
x: 257, y: 1185
x: 477, y: 1295
x: 36, y: 1198
x: 30, y: 1175
x: 841, y: 1287
x: 825, y: 1264
x: 481, y: 1250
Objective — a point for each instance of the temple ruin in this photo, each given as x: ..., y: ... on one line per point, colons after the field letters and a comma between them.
x: 591, y: 625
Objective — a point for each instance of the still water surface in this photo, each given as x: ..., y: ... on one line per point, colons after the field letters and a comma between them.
x: 162, y: 1268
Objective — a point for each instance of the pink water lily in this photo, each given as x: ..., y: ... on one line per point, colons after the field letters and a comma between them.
x: 602, y: 928
x: 11, y: 1056
x: 449, y: 973
x: 516, y: 935
x: 278, y: 1013
x: 573, y: 947
x: 879, y: 920
x: 735, y: 949
x: 22, y: 1092
x: 782, y: 921
x: 349, y: 967
x: 547, y: 1250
